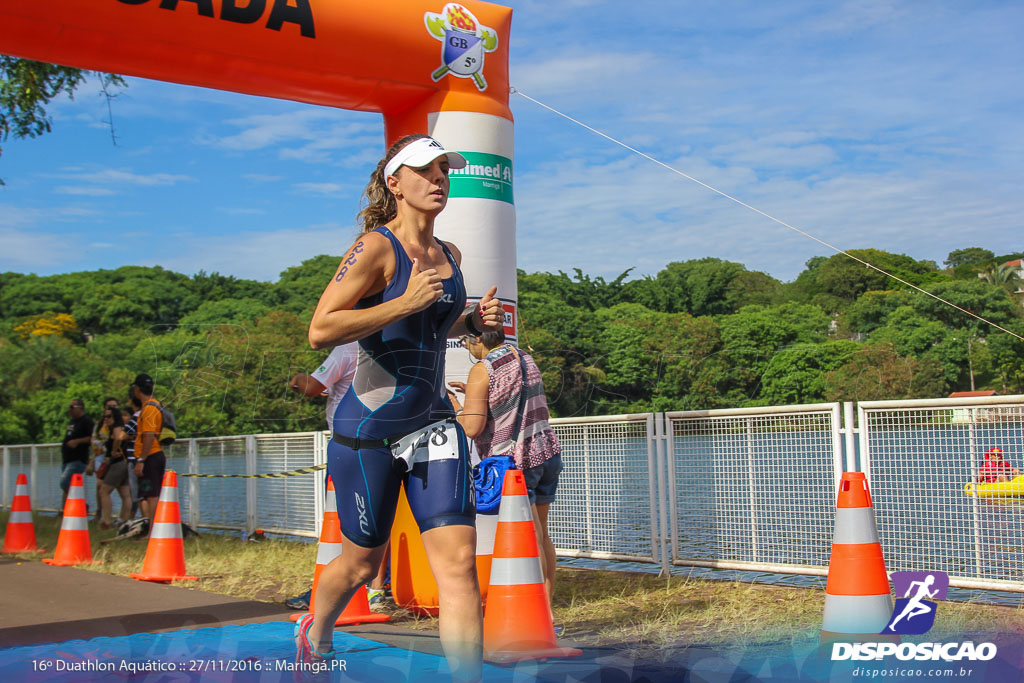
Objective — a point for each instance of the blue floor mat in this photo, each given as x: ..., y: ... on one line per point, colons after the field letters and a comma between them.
x: 255, y: 652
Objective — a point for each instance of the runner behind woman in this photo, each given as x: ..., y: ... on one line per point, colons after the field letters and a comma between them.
x: 400, y: 293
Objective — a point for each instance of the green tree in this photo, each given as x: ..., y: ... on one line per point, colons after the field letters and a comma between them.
x: 876, y: 372
x: 41, y: 362
x: 753, y: 288
x: 978, y: 297
x: 299, y: 288
x: 700, y: 286
x: 1005, y: 277
x: 971, y: 256
x: 656, y: 361
x: 796, y: 374
x: 579, y: 291
x: 872, y: 309
x: 27, y: 86
x: 752, y: 337
x: 562, y: 339
x: 223, y: 311
x: 1008, y: 359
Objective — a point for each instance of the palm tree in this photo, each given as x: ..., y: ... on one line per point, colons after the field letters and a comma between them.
x: 43, y: 360
x: 1005, y: 278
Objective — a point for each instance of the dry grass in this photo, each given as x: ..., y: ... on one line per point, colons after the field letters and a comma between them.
x: 640, y: 611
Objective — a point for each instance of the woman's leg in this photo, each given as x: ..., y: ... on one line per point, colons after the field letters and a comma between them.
x: 378, y: 580
x: 125, y: 492
x: 338, y: 583
x: 451, y: 551
x: 546, y: 547
x: 366, y: 509
x: 105, y: 503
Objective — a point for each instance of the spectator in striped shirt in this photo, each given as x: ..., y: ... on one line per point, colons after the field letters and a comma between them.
x: 131, y: 424
x: 506, y: 412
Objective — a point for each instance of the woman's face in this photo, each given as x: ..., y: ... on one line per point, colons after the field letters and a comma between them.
x: 424, y: 189
x: 475, y: 347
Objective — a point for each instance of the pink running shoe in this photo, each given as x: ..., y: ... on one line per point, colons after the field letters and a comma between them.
x: 310, y: 665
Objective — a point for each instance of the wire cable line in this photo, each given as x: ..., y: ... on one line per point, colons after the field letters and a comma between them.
x: 516, y: 91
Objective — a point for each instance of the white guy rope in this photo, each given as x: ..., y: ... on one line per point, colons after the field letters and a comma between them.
x: 515, y: 91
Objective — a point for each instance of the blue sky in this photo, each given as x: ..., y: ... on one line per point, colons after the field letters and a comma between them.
x: 885, y: 124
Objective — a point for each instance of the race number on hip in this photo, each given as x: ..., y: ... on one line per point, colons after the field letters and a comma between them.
x: 436, y: 441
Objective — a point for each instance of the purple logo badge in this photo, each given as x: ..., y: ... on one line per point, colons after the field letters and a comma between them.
x: 914, y: 612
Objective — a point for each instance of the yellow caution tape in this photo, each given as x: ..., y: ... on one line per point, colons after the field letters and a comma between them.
x: 270, y: 475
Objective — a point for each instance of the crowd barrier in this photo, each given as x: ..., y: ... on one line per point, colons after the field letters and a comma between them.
x: 746, y: 489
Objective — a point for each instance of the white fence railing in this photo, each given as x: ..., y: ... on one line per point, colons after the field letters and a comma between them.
x: 754, y: 488
x: 748, y: 489
x: 918, y: 457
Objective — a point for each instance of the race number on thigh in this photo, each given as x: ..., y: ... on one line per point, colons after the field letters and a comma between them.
x: 436, y: 441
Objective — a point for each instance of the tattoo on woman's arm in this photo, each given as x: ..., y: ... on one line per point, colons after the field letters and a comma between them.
x: 350, y: 261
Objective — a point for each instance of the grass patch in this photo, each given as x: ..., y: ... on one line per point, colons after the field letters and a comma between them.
x: 642, y: 611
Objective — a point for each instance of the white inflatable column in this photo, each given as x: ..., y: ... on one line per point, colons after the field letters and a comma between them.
x: 480, y: 218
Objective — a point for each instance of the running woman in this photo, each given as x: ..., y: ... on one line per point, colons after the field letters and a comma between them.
x: 400, y: 293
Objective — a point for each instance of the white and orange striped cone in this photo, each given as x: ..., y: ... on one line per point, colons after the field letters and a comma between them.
x: 165, y: 553
x: 517, y: 621
x: 20, y: 536
x: 857, y: 597
x: 73, y: 545
x: 357, y: 611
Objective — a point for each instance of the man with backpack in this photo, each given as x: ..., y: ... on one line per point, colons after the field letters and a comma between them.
x: 150, y: 460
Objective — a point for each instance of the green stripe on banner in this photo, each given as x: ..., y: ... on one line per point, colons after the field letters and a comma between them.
x: 486, y: 176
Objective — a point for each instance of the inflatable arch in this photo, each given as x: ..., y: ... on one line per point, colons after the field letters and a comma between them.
x: 426, y: 65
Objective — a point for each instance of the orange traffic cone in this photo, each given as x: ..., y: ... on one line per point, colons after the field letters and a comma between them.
x: 73, y: 545
x: 20, y: 536
x: 517, y: 621
x: 857, y: 598
x: 357, y: 611
x: 165, y: 554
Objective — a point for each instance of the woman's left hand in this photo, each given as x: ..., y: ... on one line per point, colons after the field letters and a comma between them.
x: 490, y: 311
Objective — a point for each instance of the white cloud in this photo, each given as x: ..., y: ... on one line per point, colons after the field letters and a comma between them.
x: 86, y: 191
x: 241, y: 211
x: 29, y: 251
x: 12, y: 216
x: 607, y: 217
x: 256, y: 255
x: 262, y: 177
x: 310, y: 135
x: 111, y: 176
x: 326, y: 189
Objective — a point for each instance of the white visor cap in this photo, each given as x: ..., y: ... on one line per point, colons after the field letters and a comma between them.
x: 421, y: 152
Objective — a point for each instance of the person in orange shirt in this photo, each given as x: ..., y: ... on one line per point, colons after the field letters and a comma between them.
x: 150, y: 461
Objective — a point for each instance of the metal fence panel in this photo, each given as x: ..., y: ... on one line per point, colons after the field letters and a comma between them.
x: 919, y: 456
x: 287, y: 504
x: 605, y: 504
x: 222, y: 500
x: 754, y: 488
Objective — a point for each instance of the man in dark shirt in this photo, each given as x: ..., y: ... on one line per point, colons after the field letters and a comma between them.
x: 74, y: 450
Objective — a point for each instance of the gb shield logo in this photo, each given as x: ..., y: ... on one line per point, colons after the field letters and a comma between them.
x: 463, y: 43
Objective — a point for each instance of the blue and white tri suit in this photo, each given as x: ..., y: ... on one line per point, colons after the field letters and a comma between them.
x: 399, y: 388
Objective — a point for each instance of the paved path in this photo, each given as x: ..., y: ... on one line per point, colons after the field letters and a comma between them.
x: 40, y: 603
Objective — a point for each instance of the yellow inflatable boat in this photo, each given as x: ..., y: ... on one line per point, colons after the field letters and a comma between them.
x: 997, y: 489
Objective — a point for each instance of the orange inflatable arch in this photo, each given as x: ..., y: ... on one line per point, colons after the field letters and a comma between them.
x: 427, y: 66
x: 368, y: 56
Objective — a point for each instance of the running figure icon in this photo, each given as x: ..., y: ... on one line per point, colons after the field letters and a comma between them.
x: 915, y: 607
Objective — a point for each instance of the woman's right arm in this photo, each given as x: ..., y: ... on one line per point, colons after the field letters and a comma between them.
x: 362, y: 272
